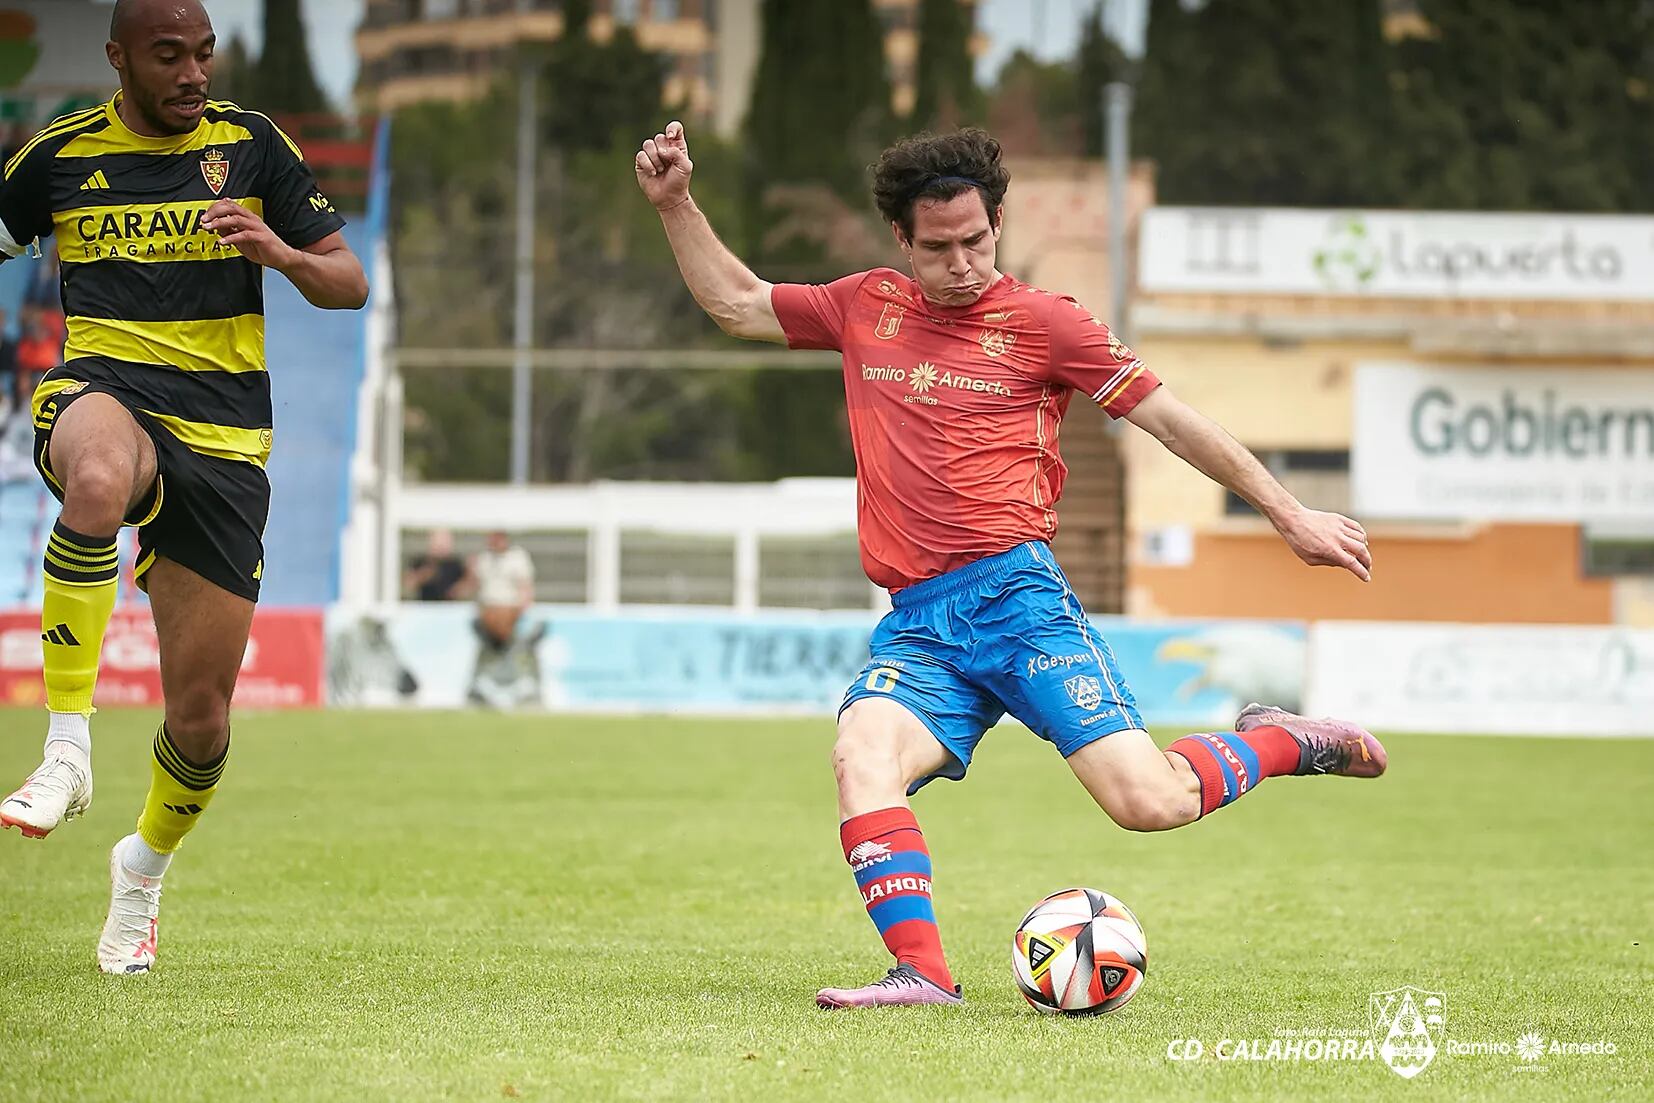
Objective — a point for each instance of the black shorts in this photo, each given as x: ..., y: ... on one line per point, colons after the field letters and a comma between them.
x: 204, y: 513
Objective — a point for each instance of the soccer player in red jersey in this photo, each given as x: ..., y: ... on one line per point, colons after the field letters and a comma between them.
x: 956, y: 378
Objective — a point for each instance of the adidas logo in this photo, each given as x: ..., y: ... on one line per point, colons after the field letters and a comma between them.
x: 865, y: 854
x: 96, y: 182
x: 183, y: 809
x: 60, y: 636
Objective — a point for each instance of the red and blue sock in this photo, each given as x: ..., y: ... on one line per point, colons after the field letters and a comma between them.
x: 887, y: 854
x: 1231, y: 764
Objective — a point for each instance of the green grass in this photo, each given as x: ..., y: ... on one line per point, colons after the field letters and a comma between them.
x: 449, y: 906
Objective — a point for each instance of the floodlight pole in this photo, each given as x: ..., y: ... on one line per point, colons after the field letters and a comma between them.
x: 522, y: 395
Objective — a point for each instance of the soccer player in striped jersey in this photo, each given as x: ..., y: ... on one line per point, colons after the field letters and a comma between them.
x: 167, y: 208
x: 957, y: 377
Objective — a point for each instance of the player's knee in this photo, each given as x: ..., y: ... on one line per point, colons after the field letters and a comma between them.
x: 863, y: 756
x: 1153, y: 809
x: 199, y: 716
x: 99, y: 488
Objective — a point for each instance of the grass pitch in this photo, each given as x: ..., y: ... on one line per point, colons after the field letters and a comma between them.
x: 460, y: 906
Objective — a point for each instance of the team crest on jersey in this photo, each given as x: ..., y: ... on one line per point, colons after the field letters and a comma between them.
x: 1117, y: 349
x: 993, y: 339
x: 890, y: 321
x: 215, y: 169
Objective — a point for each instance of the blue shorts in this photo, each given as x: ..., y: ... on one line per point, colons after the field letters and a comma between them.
x: 1005, y: 634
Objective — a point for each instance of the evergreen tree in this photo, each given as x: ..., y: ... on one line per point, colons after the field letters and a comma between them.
x: 1268, y: 101
x: 1523, y: 104
x: 1165, y: 96
x: 284, y: 80
x: 233, y: 73
x: 1098, y: 62
x: 820, y: 98
x: 946, y: 93
x: 593, y: 91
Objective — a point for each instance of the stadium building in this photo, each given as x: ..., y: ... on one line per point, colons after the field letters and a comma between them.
x: 1477, y: 388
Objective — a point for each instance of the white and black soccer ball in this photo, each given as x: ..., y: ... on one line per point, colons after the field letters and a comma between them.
x: 1079, y: 952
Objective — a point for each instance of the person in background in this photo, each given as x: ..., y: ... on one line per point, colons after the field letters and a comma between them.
x: 505, y: 588
x: 39, y: 348
x: 507, y: 672
x: 439, y: 574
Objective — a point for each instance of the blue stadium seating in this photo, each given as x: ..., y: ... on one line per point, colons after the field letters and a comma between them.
x: 315, y: 359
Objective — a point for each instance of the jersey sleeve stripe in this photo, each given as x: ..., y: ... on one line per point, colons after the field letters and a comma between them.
x: 54, y: 129
x: 1097, y: 396
x: 1136, y: 370
x: 282, y: 134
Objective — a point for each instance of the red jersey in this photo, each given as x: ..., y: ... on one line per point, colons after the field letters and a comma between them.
x: 954, y: 410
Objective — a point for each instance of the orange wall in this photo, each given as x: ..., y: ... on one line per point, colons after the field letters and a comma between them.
x: 1493, y: 573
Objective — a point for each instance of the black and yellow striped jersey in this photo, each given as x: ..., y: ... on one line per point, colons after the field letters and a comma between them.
x: 156, y: 305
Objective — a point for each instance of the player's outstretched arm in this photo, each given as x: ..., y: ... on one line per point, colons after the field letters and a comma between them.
x: 724, y: 287
x: 1319, y: 539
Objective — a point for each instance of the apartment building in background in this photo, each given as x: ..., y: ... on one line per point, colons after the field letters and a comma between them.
x: 416, y: 50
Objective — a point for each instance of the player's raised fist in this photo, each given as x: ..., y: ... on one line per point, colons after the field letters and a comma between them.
x: 663, y: 167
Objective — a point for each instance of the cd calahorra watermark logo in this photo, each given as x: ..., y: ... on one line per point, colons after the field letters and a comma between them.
x: 1407, y: 1023
x: 1406, y: 1030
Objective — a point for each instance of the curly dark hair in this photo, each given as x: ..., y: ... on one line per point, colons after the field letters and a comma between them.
x: 938, y: 166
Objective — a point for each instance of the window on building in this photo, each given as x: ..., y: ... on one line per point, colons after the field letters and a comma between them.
x: 441, y: 9
x: 664, y: 11
x: 1610, y: 550
x: 625, y: 11
x: 1320, y: 478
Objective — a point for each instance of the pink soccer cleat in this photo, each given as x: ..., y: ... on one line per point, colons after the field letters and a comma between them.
x: 903, y: 986
x: 1328, y: 746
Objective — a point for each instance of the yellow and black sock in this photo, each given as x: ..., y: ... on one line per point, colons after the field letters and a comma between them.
x: 80, y: 573
x: 179, y: 791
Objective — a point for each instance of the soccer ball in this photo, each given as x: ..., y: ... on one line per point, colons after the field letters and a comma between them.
x: 1079, y: 952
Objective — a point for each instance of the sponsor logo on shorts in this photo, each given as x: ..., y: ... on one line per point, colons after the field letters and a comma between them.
x: 1039, y: 664
x: 867, y: 854
x: 1084, y: 691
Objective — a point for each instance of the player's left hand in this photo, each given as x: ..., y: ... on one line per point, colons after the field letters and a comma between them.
x: 1329, y: 540
x: 236, y: 225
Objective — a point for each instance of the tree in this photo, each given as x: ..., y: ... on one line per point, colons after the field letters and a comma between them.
x: 592, y: 92
x: 820, y: 99
x: 1097, y: 62
x: 604, y: 278
x: 1519, y: 104
x: 1034, y: 109
x: 946, y: 94
x: 284, y: 80
x: 233, y: 72
x: 1267, y: 101
x: 1165, y: 94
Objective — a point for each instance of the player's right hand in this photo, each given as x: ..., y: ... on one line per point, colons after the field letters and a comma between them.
x: 663, y: 167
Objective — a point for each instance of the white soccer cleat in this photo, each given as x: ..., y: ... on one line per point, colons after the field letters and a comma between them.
x: 59, y: 790
x: 131, y: 934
